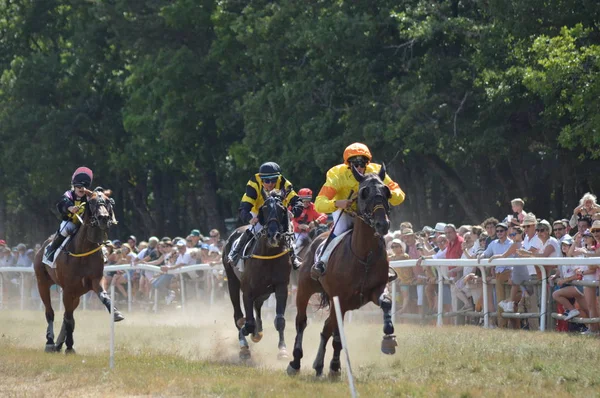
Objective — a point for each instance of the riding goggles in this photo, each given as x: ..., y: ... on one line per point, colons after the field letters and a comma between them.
x: 358, y: 161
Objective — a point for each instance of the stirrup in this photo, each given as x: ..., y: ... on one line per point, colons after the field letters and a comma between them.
x: 317, y: 270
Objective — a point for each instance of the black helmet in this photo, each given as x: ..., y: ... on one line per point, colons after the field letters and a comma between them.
x: 82, y: 177
x: 269, y: 169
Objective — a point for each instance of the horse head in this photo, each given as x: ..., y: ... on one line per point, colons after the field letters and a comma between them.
x: 273, y: 216
x: 100, y: 207
x: 373, y: 200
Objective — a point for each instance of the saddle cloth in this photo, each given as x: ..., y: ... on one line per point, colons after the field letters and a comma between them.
x: 332, y: 245
x: 56, y: 253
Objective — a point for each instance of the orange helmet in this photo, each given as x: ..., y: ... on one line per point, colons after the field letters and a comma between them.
x: 305, y: 193
x: 356, y: 149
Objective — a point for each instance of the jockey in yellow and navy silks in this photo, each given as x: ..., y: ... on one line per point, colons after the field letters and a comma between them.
x: 71, y: 206
x: 268, y: 177
x: 340, y: 182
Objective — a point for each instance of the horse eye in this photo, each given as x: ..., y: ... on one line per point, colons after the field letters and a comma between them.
x: 364, y: 194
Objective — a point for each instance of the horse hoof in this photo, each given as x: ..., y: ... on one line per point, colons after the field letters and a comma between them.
x: 257, y: 337
x: 70, y: 351
x: 50, y: 348
x: 240, y: 322
x: 389, y: 344
x: 245, y: 353
x: 118, y: 316
x: 291, y: 371
x: 283, y: 354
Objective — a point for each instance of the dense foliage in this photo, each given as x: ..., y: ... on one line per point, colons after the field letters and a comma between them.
x: 174, y: 104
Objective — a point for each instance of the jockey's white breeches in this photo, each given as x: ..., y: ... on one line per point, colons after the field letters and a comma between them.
x: 67, y: 228
x: 342, y: 222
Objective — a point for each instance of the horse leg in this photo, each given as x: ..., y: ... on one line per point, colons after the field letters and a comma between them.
x: 250, y: 324
x: 330, y: 325
x: 281, y: 294
x: 233, y: 285
x: 388, y: 344
x: 44, y: 283
x: 335, y: 364
x: 69, y: 320
x: 302, y: 298
x: 258, y: 333
x: 105, y: 299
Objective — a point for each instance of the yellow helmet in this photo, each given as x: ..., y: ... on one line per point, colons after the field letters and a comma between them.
x: 356, y: 149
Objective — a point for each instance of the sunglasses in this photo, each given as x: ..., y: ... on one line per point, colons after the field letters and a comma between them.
x: 189, y: 241
x: 500, y: 230
x: 269, y: 180
x: 559, y: 229
x: 514, y: 234
x: 595, y: 231
x: 541, y: 230
x: 359, y: 162
x: 214, y: 236
x: 395, y: 246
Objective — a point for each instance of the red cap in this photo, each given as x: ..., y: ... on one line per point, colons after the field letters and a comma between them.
x: 2, y: 242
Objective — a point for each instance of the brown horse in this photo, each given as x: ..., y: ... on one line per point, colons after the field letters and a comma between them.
x: 357, y: 272
x: 266, y: 270
x: 79, y: 269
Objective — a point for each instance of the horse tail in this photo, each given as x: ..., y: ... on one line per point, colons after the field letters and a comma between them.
x: 324, y: 304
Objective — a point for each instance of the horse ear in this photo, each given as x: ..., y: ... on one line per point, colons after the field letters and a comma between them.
x: 382, y: 172
x: 359, y: 177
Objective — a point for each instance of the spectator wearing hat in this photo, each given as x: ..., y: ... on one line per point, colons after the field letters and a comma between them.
x: 502, y: 274
x: 196, y: 239
x: 530, y: 247
x: 560, y: 230
x: 405, y: 274
x: 132, y: 241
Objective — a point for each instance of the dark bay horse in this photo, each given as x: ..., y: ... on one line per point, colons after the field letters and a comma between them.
x: 357, y: 272
x: 266, y: 271
x: 79, y: 269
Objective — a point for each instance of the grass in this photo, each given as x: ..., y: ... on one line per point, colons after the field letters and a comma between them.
x: 196, y: 355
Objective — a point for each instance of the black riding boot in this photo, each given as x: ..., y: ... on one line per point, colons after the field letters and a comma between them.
x: 51, y: 248
x: 235, y: 252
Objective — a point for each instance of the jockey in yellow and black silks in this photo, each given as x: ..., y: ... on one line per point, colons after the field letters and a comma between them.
x: 71, y: 206
x: 268, y: 177
x: 340, y: 183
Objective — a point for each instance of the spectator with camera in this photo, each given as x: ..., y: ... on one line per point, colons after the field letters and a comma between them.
x: 587, y: 209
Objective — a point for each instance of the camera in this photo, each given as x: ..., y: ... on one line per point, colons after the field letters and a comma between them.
x: 419, y: 246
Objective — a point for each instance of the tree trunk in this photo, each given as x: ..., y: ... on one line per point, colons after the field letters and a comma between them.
x: 454, y: 184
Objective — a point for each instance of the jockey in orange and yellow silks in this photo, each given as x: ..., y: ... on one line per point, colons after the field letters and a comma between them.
x: 334, y: 196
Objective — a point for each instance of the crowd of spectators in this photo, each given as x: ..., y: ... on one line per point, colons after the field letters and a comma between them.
x: 518, y: 234
x: 164, y: 254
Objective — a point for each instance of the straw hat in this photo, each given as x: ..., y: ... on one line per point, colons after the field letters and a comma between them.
x: 529, y: 219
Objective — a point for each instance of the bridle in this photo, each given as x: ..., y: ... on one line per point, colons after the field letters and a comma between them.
x: 369, y: 217
x: 107, y: 203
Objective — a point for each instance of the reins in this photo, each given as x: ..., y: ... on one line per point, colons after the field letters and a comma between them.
x: 86, y: 253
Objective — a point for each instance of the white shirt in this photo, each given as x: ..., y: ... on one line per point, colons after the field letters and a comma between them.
x: 555, y: 244
x: 528, y: 244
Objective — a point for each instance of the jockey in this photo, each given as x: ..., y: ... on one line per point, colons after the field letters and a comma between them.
x: 340, y: 182
x: 309, y: 214
x: 72, y: 206
x: 268, y: 177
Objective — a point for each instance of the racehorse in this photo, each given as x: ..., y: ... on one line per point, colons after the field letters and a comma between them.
x: 266, y: 270
x: 357, y: 272
x: 79, y: 269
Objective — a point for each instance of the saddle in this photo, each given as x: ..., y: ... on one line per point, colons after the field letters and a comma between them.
x: 56, y: 253
x: 247, y: 251
x: 324, y: 255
